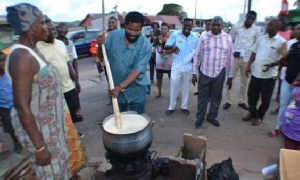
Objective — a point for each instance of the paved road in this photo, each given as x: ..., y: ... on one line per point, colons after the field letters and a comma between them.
x: 249, y: 147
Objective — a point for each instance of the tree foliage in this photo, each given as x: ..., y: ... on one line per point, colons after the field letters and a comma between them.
x: 171, y: 9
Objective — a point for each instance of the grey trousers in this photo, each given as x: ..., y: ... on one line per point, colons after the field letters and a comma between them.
x: 210, y: 89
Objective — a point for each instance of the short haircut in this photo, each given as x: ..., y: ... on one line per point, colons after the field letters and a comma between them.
x: 188, y: 19
x: 47, y: 19
x: 252, y: 13
x: 61, y: 24
x: 274, y: 20
x: 207, y: 21
x: 218, y: 18
x: 165, y: 24
x: 155, y: 23
x: 113, y: 17
x: 134, y: 17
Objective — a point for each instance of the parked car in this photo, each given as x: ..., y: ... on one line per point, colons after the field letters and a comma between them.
x: 82, y: 40
x: 197, y: 31
x: 146, y: 31
x: 172, y: 30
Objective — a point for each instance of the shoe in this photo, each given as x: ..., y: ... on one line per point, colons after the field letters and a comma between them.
x: 244, y: 106
x: 226, y: 106
x: 17, y: 147
x: 152, y: 81
x: 248, y: 117
x: 274, y: 133
x: 196, y: 93
x: 185, y: 111
x: 198, y: 124
x: 256, y: 122
x: 214, y: 122
x: 169, y: 112
x: 81, y: 135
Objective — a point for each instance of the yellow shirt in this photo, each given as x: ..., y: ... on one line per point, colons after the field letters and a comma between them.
x: 57, y: 55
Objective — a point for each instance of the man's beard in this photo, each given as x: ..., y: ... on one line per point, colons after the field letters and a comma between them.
x: 50, y: 39
x: 127, y: 35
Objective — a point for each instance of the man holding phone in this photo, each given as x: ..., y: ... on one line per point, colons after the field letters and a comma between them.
x: 243, y: 37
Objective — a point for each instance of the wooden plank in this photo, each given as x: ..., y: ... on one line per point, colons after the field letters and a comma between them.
x: 181, y: 170
x: 194, y: 147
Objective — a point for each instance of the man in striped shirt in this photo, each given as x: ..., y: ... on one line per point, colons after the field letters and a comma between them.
x: 213, y: 60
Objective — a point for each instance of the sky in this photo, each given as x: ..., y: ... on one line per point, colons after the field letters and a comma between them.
x: 229, y: 10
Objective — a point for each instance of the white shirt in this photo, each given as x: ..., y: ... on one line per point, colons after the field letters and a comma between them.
x: 244, y: 38
x: 268, y: 50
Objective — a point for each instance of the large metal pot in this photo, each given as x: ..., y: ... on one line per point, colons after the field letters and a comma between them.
x: 128, y: 146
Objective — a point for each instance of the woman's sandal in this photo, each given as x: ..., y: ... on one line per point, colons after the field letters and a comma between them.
x: 156, y: 96
x: 274, y: 133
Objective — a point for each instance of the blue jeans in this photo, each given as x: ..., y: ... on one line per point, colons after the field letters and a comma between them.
x: 285, y: 98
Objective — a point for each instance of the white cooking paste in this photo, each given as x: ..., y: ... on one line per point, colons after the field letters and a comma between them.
x: 131, y: 123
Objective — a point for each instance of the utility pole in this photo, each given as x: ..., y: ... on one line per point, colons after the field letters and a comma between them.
x: 103, y: 16
x: 249, y: 5
x: 195, y: 14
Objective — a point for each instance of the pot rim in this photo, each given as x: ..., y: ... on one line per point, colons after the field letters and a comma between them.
x: 126, y: 112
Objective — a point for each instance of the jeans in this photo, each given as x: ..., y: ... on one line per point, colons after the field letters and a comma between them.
x: 285, y: 98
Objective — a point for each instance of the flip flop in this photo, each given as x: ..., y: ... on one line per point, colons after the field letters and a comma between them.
x: 156, y: 96
x: 274, y: 133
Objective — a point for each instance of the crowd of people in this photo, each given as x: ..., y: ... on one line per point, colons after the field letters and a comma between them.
x: 39, y: 80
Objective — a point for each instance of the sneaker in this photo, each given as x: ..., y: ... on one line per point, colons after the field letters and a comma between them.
x: 81, y: 135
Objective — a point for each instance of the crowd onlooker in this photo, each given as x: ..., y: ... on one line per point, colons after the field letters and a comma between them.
x: 213, y: 60
x: 181, y: 44
x: 243, y: 37
x: 267, y: 49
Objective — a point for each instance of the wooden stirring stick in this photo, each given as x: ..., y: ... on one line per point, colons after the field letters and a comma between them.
x: 117, y: 114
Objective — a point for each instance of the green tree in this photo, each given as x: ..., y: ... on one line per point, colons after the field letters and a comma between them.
x: 171, y: 9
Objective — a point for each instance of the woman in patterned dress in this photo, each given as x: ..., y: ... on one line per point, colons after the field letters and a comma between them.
x: 38, y: 114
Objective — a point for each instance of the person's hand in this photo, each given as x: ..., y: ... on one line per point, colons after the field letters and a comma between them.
x: 296, y: 82
x: 268, y: 66
x: 176, y: 50
x: 229, y: 83
x: 78, y: 87
x: 194, y: 79
x: 43, y: 158
x: 101, y: 40
x: 248, y: 71
x: 116, y: 91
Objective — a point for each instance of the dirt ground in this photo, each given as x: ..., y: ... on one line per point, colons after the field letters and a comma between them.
x: 249, y: 147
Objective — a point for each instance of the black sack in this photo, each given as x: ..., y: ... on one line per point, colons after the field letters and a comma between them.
x: 222, y: 171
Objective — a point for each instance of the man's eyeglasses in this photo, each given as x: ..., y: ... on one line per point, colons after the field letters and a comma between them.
x: 135, y: 33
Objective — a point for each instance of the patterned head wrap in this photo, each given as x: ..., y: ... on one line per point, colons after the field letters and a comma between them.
x: 22, y: 16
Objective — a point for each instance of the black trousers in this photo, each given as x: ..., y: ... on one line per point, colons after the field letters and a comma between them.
x: 210, y: 90
x: 260, y: 88
x: 152, y: 64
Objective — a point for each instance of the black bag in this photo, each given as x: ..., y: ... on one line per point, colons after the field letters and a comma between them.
x: 222, y: 171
